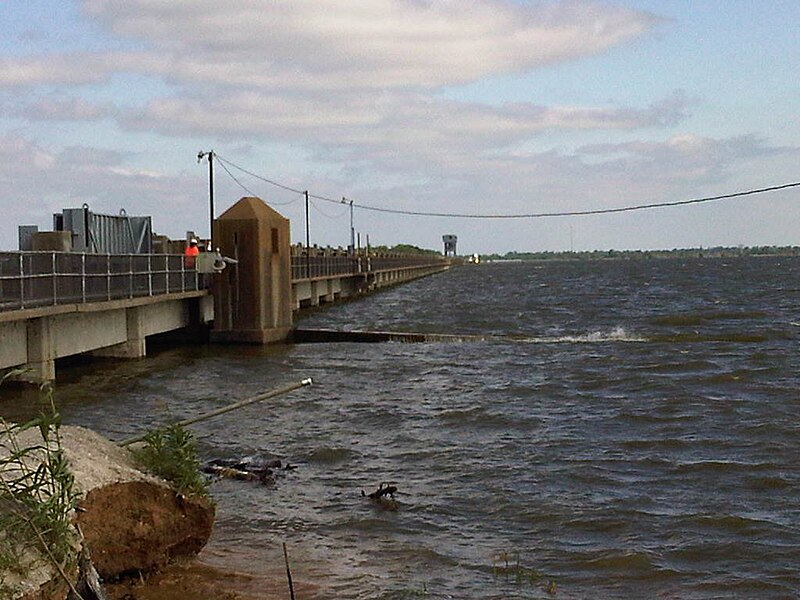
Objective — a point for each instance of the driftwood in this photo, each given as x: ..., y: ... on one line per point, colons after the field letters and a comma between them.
x: 383, y: 496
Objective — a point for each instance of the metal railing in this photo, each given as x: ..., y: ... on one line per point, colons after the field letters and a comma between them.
x: 313, y: 267
x: 36, y: 279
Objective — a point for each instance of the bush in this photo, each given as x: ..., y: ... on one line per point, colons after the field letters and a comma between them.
x: 171, y: 453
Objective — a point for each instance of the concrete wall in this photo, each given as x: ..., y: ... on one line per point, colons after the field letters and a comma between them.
x: 13, y: 344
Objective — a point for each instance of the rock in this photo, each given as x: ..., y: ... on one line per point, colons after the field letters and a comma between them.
x: 130, y: 521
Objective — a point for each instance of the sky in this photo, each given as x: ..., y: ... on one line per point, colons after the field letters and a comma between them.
x: 466, y: 107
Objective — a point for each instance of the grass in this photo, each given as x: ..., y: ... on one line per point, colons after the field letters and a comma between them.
x: 37, y: 498
x: 170, y: 452
x: 507, y: 566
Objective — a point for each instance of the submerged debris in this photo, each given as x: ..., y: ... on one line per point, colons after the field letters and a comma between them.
x: 383, y: 496
x: 249, y: 468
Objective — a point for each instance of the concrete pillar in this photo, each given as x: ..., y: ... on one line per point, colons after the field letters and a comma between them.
x: 329, y: 295
x: 41, y: 365
x: 134, y: 346
x: 315, y: 293
x: 253, y: 299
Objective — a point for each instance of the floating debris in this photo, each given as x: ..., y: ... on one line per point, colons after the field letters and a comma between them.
x: 249, y: 468
x: 383, y: 496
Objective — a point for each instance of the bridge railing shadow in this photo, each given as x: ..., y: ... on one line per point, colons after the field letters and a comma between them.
x: 36, y: 279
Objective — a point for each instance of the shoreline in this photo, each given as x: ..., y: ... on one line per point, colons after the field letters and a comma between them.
x: 202, y: 578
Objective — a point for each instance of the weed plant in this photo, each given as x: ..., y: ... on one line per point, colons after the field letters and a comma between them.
x: 171, y: 453
x: 507, y: 567
x: 37, y: 499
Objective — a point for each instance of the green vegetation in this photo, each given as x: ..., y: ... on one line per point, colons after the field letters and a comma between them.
x: 37, y: 499
x: 404, y: 249
x: 171, y: 453
x: 507, y: 567
x: 716, y: 252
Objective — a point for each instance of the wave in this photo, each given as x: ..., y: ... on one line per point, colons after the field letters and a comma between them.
x: 725, y: 522
x: 703, y: 318
x: 328, y: 455
x: 617, y: 334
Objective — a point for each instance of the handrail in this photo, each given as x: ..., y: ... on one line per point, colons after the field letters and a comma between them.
x: 315, y: 267
x: 45, y: 278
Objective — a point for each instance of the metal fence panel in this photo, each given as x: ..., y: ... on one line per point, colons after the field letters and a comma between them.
x: 106, y: 234
x: 33, y: 279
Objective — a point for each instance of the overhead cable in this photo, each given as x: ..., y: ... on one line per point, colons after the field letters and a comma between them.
x: 232, y: 176
x: 539, y: 215
x: 224, y: 161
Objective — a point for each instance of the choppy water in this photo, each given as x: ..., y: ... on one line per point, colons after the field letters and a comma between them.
x: 640, y: 441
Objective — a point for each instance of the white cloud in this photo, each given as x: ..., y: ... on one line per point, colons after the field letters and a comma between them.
x: 36, y: 181
x: 341, y: 44
x: 60, y: 108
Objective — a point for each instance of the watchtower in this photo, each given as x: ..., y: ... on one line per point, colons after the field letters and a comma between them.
x: 450, y: 244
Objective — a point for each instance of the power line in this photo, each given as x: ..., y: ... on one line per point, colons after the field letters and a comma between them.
x: 264, y: 179
x: 232, y: 176
x: 540, y: 215
x: 579, y: 213
x: 327, y: 215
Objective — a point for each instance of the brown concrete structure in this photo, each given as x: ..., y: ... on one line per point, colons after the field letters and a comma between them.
x: 60, y: 241
x: 253, y: 299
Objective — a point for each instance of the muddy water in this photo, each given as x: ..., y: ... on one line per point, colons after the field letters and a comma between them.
x: 636, y: 438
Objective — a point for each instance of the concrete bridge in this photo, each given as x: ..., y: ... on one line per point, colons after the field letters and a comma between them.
x: 59, y: 304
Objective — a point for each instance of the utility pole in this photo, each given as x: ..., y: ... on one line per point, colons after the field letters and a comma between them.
x: 308, y: 241
x: 352, y: 229
x: 200, y: 156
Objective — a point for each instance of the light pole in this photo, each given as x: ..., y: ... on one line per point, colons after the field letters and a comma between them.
x: 200, y: 156
x: 308, y: 241
x: 352, y: 229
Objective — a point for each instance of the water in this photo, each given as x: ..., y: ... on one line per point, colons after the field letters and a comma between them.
x: 637, y: 437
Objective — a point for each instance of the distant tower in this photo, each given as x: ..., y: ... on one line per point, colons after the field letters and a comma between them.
x: 450, y: 244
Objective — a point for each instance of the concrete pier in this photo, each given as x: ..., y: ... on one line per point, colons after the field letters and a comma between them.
x: 33, y: 339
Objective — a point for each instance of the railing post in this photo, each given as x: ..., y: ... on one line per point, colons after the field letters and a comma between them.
x: 55, y: 279
x: 83, y: 277
x: 166, y: 272
x: 22, y: 281
x: 130, y: 275
x: 108, y: 276
x: 149, y: 276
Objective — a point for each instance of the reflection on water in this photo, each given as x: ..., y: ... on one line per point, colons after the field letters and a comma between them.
x: 643, y: 442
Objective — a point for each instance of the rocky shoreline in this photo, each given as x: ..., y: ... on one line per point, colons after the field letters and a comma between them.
x: 127, y: 522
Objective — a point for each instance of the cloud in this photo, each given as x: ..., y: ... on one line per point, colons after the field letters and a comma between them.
x: 388, y: 125
x: 353, y: 77
x: 58, y: 107
x: 343, y: 44
x: 75, y: 69
x: 378, y: 44
x: 38, y: 180
x: 682, y: 158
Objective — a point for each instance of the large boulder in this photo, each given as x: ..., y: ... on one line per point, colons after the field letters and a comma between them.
x: 129, y: 520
